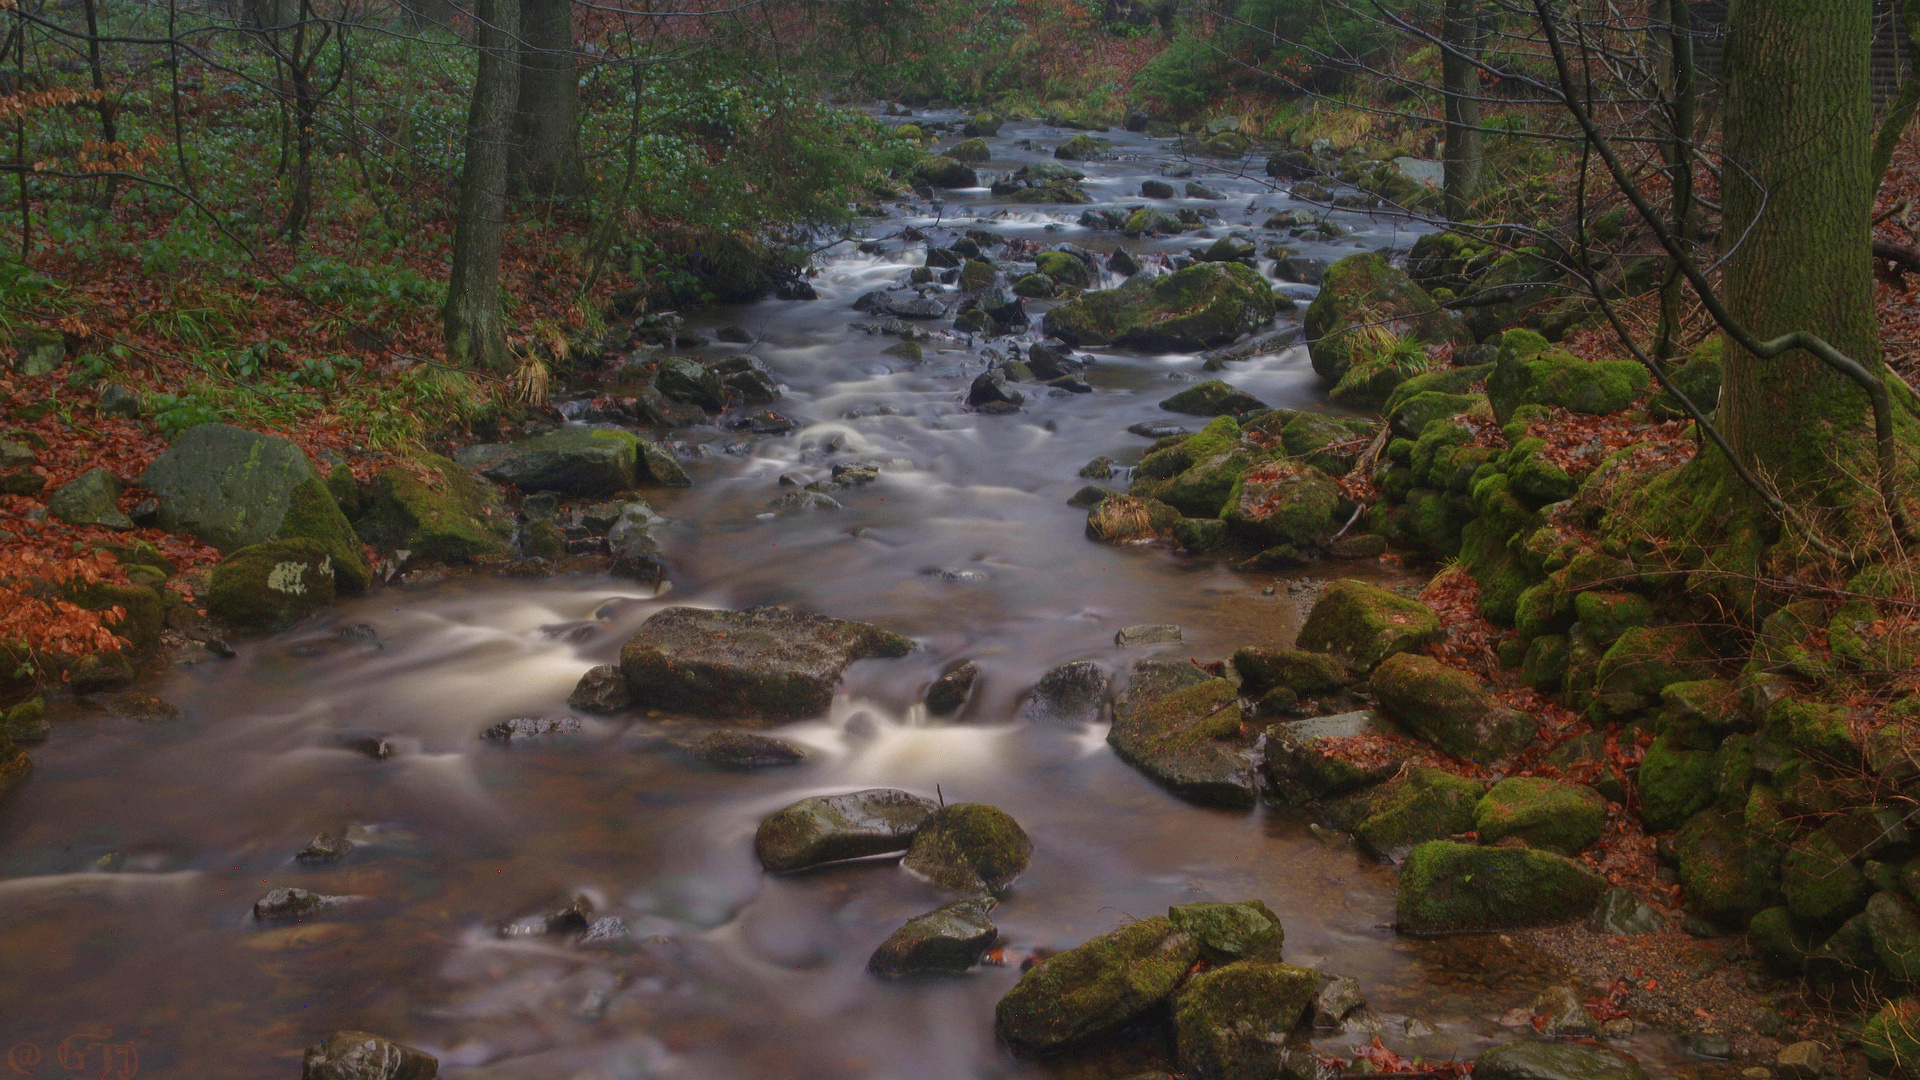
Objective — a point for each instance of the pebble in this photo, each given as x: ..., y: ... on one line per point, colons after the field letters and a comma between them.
x: 1158, y: 634
x: 1706, y: 1045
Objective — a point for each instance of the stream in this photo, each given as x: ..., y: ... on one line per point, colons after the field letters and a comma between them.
x: 130, y: 861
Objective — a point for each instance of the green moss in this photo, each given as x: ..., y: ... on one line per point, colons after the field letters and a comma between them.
x: 1560, y: 380
x: 1126, y: 519
x: 1779, y: 944
x: 1366, y: 290
x: 1313, y: 438
x: 1281, y: 502
x: 1821, y: 884
x: 1646, y: 660
x: 970, y: 846
x: 1453, y: 888
x: 1545, y: 664
x: 1063, y: 267
x: 1712, y: 853
x: 1201, y: 306
x: 434, y: 508
x: 1097, y: 986
x: 313, y: 515
x: 271, y: 585
x: 1456, y: 381
x: 144, y: 610
x: 345, y: 490
x: 1227, y: 932
x: 1415, y: 807
x: 1361, y: 624
x: 1262, y: 668
x: 1675, y: 784
x: 1450, y: 708
x: 1542, y: 609
x: 1233, y: 1021
x: 1413, y: 413
x: 971, y: 151
x: 1891, y: 1039
x: 1182, y: 741
x: 1205, y: 488
x: 1605, y: 616
x: 1895, y: 929
x: 1549, y: 814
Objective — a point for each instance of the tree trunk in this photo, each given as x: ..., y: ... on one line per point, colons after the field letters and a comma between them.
x: 474, y: 331
x: 109, y: 131
x: 1676, y: 27
x: 1460, y: 81
x: 1798, y: 199
x: 546, y: 120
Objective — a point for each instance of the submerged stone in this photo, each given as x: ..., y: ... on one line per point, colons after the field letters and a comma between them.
x: 829, y: 828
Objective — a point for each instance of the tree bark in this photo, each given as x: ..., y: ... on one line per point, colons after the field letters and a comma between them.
x: 1676, y: 26
x: 1798, y: 198
x: 546, y: 120
x: 472, y: 323
x: 1462, y: 154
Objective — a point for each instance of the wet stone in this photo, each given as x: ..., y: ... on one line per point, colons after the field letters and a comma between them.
x: 1310, y: 760
x: 568, y: 920
x: 1158, y: 634
x: 970, y: 846
x: 1073, y: 693
x: 601, y: 690
x: 1158, y: 429
x: 1706, y: 1045
x: 1227, y: 932
x: 607, y: 934
x: 1555, y: 1061
x: 1339, y: 996
x: 1622, y: 912
x: 359, y: 1055
x: 143, y: 707
x: 527, y: 727
x: 830, y: 828
x: 1096, y: 986
x: 950, y: 691
x: 1560, y: 1013
x: 947, y: 940
x: 294, y: 904
x: 745, y: 750
x: 326, y: 847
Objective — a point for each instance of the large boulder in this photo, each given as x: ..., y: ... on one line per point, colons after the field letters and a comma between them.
x: 945, y: 941
x: 938, y: 170
x: 769, y: 663
x: 1361, y: 624
x: 1202, y: 306
x: 232, y: 488
x: 1186, y: 740
x: 1550, y: 814
x: 1073, y: 693
x: 1264, y: 668
x: 1366, y: 291
x: 1213, y: 397
x: 271, y: 585
x: 569, y: 461
x: 830, y: 828
x: 1450, y: 708
x: 1453, y: 888
x: 1232, y: 1022
x: 435, y: 509
x: 1282, y: 503
x: 1096, y: 986
x: 970, y: 846
x: 359, y: 1055
x: 1541, y: 1060
x: 1714, y: 858
x: 1528, y: 374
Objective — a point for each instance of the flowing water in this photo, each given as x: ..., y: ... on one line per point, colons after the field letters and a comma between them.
x: 130, y: 861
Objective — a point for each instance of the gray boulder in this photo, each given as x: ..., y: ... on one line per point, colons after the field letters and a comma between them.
x: 570, y: 461
x: 746, y: 750
x: 692, y: 382
x: 358, y: 1055
x: 1182, y: 733
x: 1073, y: 693
x: 767, y: 662
x: 294, y: 904
x: 1555, y: 1061
x: 601, y: 690
x: 1306, y: 763
x: 829, y: 828
x: 634, y: 539
x: 947, y: 940
x: 90, y: 499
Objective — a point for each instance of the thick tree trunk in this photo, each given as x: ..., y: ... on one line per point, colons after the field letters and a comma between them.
x: 1674, y: 23
x: 1460, y: 81
x: 546, y: 120
x: 474, y: 330
x: 1798, y: 198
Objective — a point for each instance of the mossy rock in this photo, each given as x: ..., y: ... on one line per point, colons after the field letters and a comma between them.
x: 977, y: 274
x: 1283, y: 503
x: 1331, y: 444
x: 1454, y: 888
x: 1698, y: 379
x: 1366, y: 290
x: 1064, y: 267
x: 1891, y: 1038
x: 1456, y: 381
x: 1544, y: 665
x: 1361, y: 624
x: 1543, y: 1060
x: 1780, y: 945
x: 144, y: 610
x: 1700, y: 713
x: 1450, y: 708
x: 271, y: 585
x: 971, y: 151
x: 1413, y: 808
x: 970, y: 846
x: 1263, y: 667
x: 1549, y: 814
x: 570, y: 461
x: 1183, y: 740
x: 1304, y: 759
x: 1233, y: 1021
x: 1248, y: 930
x: 1082, y: 148
x: 1201, y: 534
x: 435, y: 509
x: 1036, y: 286
x: 1128, y: 519
x: 15, y: 766
x: 312, y: 514
x: 1545, y: 608
x: 1199, y: 307
x: 830, y: 828
x: 1712, y: 853
x: 983, y: 125
x: 1523, y: 376
x: 1675, y: 784
x: 1095, y: 987
x: 1647, y: 660
x: 1214, y: 397
x: 947, y: 940
x: 232, y: 487
x: 1822, y: 885
x: 938, y: 170
x: 1895, y: 928
x: 1412, y: 415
